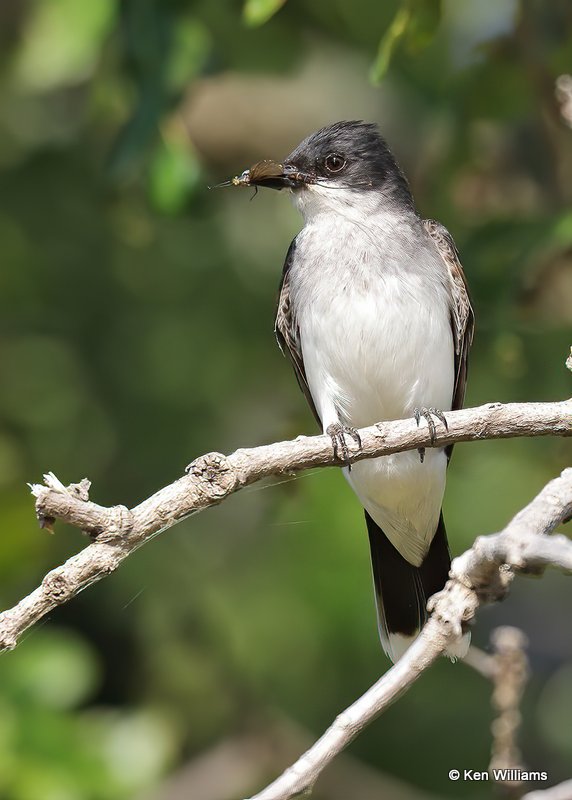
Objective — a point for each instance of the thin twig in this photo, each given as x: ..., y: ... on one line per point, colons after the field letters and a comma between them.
x: 507, y: 668
x: 510, y: 676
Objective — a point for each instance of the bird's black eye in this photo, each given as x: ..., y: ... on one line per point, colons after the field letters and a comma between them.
x: 334, y: 162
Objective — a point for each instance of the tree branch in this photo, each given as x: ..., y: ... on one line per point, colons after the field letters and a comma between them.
x: 508, y: 670
x: 507, y: 667
x: 118, y: 531
x: 482, y: 574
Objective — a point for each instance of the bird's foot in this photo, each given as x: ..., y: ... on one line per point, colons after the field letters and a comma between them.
x: 428, y: 414
x: 338, y: 433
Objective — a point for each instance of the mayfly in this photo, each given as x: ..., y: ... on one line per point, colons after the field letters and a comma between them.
x: 267, y: 173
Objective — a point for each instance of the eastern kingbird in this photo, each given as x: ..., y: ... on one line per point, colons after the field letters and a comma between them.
x: 375, y: 316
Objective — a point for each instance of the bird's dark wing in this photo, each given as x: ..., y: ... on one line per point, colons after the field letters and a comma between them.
x: 287, y: 332
x: 462, y: 316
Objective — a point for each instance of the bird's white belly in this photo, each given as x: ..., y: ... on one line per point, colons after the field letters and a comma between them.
x: 373, y: 351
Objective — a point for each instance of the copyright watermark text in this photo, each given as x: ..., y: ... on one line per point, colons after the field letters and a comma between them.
x: 498, y: 775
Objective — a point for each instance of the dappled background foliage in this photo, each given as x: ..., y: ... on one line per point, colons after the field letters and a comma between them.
x: 136, y: 317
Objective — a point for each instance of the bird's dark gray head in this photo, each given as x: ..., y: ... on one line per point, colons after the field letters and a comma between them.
x: 353, y: 154
x: 350, y: 156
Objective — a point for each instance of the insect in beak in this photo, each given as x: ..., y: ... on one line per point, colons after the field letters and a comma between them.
x: 271, y: 174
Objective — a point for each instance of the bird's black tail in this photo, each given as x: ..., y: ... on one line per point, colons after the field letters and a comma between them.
x: 402, y: 590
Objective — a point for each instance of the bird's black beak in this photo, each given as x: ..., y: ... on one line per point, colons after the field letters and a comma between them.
x: 271, y: 174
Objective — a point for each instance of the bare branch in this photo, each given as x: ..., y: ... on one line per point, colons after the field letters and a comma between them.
x: 509, y: 680
x: 482, y: 662
x: 211, y: 478
x: 507, y: 668
x: 481, y: 575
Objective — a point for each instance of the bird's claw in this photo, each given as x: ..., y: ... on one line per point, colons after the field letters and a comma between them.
x: 428, y: 414
x: 338, y: 433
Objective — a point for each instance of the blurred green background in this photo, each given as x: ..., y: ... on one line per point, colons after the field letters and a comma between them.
x: 136, y: 332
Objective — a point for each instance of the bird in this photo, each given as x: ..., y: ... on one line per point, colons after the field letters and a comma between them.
x: 375, y: 315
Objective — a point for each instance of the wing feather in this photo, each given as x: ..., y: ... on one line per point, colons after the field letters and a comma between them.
x: 288, y: 333
x: 462, y: 315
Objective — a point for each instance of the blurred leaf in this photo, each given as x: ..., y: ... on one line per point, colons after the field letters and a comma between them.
x: 415, y: 24
x: 190, y: 47
x: 55, y: 669
x: 257, y: 12
x: 62, y: 43
x: 561, y: 232
x: 148, y: 32
x: 135, y: 138
x: 173, y: 174
x: 389, y: 41
x: 424, y: 23
x: 135, y: 746
x: 39, y: 779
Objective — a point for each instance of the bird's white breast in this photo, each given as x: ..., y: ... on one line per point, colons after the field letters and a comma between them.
x: 371, y: 300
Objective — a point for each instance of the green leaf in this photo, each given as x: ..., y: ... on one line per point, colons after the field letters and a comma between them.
x: 561, y: 232
x: 53, y: 670
x: 424, y: 22
x: 415, y: 24
x: 62, y: 43
x: 389, y: 41
x: 257, y: 12
x: 189, y: 50
x: 173, y: 174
